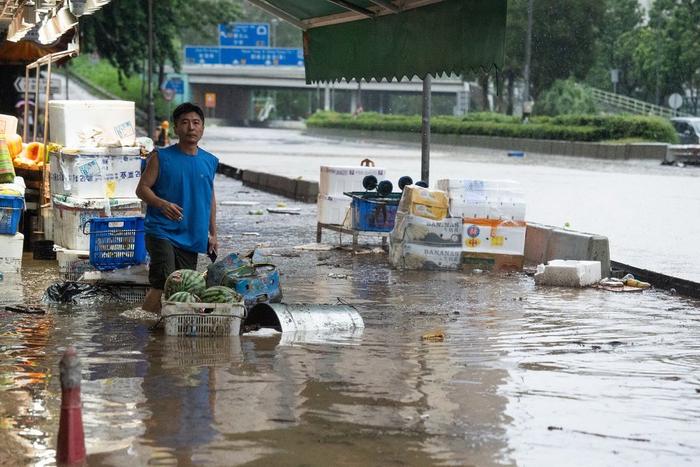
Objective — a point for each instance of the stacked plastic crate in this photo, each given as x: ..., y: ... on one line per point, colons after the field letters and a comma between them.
x: 11, y: 241
x: 95, y: 167
x: 493, y: 222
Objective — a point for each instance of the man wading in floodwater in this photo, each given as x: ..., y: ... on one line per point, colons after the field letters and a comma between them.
x: 178, y: 187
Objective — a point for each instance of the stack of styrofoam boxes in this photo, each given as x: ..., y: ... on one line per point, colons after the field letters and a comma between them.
x: 493, y: 216
x: 333, y: 205
x: 11, y: 243
x: 94, y: 174
x: 423, y: 236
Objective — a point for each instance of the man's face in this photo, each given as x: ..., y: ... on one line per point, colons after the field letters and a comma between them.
x: 189, y: 128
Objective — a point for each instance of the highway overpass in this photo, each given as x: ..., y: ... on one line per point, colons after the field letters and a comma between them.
x: 235, y: 87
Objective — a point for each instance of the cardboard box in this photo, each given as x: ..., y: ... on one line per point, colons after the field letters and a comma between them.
x: 70, y: 216
x: 11, y: 249
x: 428, y: 257
x: 494, y: 236
x: 95, y: 172
x: 415, y: 229
x: 492, y: 262
x: 413, y: 194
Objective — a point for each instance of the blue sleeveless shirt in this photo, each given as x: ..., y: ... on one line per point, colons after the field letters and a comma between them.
x: 187, y: 181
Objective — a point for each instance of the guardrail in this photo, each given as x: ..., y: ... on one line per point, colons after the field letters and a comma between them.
x: 634, y: 106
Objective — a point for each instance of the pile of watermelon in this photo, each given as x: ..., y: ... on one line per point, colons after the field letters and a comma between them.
x: 187, y: 286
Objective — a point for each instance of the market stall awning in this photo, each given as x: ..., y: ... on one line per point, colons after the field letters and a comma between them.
x: 383, y: 39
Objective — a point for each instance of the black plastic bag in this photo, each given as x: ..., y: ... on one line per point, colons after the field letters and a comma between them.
x: 76, y: 293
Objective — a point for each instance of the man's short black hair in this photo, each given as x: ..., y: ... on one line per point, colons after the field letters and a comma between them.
x: 187, y: 107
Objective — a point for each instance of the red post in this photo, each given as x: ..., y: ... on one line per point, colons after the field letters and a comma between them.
x: 71, y: 439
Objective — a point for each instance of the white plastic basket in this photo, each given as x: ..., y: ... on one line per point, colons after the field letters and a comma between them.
x: 202, y: 319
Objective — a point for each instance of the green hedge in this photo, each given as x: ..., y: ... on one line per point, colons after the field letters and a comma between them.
x: 566, y: 128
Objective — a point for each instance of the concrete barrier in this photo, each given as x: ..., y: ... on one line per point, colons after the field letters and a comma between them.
x: 544, y: 243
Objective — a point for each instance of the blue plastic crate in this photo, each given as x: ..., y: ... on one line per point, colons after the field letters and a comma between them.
x: 117, y: 242
x: 10, y: 213
x: 372, y: 212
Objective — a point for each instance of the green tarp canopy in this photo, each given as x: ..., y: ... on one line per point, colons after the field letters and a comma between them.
x: 383, y: 39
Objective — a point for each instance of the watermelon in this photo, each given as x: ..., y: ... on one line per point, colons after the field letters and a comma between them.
x: 220, y: 294
x: 184, y: 280
x: 183, y: 297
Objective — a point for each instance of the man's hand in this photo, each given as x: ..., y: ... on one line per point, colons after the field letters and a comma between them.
x: 213, y: 244
x: 172, y: 211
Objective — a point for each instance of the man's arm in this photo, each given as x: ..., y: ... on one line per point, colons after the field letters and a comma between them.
x: 213, y: 242
x: 144, y: 191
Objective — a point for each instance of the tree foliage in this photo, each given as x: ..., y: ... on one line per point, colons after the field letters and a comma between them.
x: 565, y: 97
x: 119, y: 31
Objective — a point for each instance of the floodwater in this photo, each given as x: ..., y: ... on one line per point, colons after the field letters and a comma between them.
x: 647, y: 211
x: 525, y: 376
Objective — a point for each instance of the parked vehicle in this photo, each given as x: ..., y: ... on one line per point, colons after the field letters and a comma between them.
x: 688, y: 129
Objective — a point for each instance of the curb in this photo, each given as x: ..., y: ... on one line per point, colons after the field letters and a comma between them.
x: 636, y: 151
x: 293, y: 188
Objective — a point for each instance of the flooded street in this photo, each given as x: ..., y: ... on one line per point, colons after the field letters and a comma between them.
x: 645, y: 209
x: 526, y: 375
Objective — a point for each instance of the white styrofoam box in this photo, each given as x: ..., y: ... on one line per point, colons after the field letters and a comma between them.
x: 489, y: 210
x: 8, y: 125
x: 96, y: 172
x: 11, y: 247
x: 494, y: 236
x: 47, y: 219
x: 334, y: 209
x: 18, y: 185
x: 72, y: 264
x: 81, y: 123
x: 336, y: 180
x: 415, y: 229
x: 404, y: 255
x: 568, y: 273
x: 71, y: 214
x: 469, y: 185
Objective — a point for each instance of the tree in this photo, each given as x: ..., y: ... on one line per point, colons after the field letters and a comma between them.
x: 620, y: 31
x: 678, y: 26
x: 119, y: 31
x: 565, y: 97
x: 564, y: 37
x: 563, y: 40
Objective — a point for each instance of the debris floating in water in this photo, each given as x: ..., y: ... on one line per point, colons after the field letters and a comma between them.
x: 434, y: 336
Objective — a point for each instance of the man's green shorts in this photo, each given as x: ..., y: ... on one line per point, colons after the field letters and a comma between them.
x: 165, y: 259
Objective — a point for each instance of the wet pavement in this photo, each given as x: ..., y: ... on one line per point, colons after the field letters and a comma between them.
x: 525, y: 376
x: 645, y: 209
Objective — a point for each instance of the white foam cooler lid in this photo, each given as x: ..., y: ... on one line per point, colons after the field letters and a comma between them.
x: 102, y: 151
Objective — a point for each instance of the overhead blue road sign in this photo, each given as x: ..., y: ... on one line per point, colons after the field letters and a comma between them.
x: 262, y: 56
x: 244, y: 34
x: 195, y: 55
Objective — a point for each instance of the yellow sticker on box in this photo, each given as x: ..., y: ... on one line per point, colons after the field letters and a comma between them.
x: 497, y: 240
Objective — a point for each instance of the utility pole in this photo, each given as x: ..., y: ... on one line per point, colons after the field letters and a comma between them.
x: 425, y: 129
x: 151, y: 106
x: 528, y: 52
